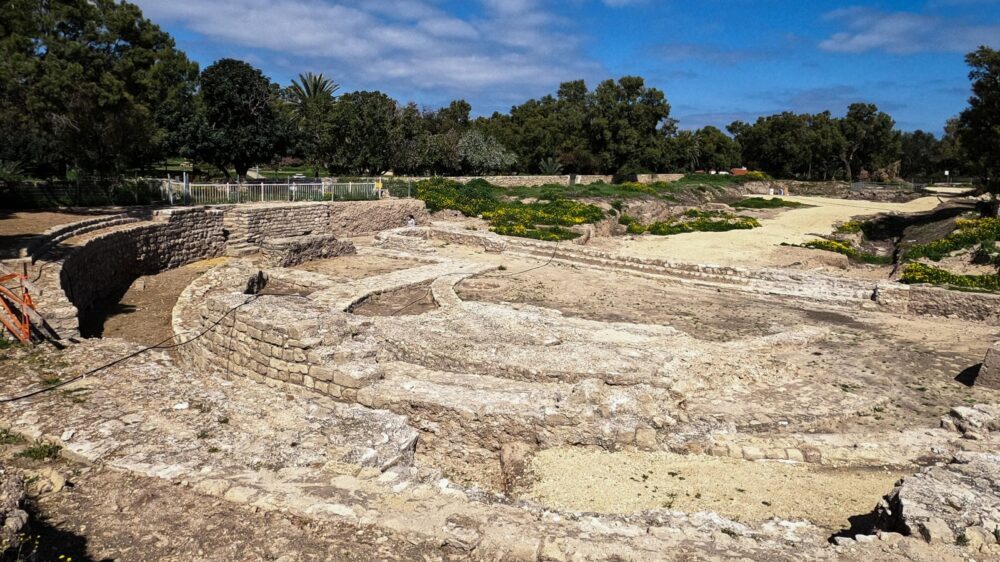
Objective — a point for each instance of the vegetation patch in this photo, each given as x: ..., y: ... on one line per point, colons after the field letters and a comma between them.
x: 846, y: 249
x: 8, y: 437
x: 920, y: 273
x: 541, y: 220
x: 762, y: 203
x: 40, y: 451
x: 850, y: 227
x: 969, y: 233
x: 691, y: 221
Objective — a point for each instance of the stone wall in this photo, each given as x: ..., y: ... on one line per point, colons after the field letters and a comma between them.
x: 249, y: 225
x: 936, y: 301
x: 368, y: 217
x: 104, y: 267
x: 566, y: 179
x: 289, y: 252
x: 653, y: 178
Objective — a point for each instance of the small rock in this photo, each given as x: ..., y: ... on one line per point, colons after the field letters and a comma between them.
x: 67, y: 435
x: 978, y: 537
x: 843, y: 541
x: 645, y: 439
x: 182, y: 406
x: 890, y: 538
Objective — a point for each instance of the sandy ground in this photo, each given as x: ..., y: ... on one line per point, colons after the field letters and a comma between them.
x: 750, y: 492
x: 143, y: 314
x: 761, y: 246
x: 357, y: 267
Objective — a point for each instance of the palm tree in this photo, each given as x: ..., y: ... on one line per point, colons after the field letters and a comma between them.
x: 311, y: 87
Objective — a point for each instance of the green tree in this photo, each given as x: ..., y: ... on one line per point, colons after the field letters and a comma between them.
x: 89, y: 85
x: 482, y: 154
x: 310, y: 100
x: 951, y: 154
x: 685, y: 151
x: 309, y: 88
x: 980, y: 123
x: 871, y: 141
x: 241, y: 124
x: 717, y: 150
x: 629, y: 125
x: 362, y: 127
x: 921, y: 152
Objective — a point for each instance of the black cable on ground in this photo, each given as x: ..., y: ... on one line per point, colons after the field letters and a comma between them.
x: 159, y: 345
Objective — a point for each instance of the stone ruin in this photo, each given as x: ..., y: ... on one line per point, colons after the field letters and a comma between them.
x: 379, y: 420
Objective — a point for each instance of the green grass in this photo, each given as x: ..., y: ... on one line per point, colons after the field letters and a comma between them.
x: 692, y: 221
x: 762, y: 203
x: 8, y: 437
x: 969, y: 233
x: 919, y: 273
x: 846, y: 249
x: 541, y: 220
x: 40, y: 451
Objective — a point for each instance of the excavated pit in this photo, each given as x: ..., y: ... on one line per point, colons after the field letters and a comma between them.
x: 408, y: 301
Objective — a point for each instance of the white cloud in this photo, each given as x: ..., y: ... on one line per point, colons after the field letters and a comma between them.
x: 868, y: 29
x: 507, y: 45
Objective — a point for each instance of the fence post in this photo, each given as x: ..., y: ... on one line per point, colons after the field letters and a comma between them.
x: 187, y: 188
x: 261, y: 192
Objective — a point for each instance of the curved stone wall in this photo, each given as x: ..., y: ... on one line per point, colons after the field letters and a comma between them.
x: 103, y: 268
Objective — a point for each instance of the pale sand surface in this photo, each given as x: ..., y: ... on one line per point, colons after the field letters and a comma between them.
x: 594, y: 480
x: 761, y: 247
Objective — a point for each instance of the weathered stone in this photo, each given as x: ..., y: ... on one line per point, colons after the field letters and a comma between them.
x: 935, y: 530
x: 514, y: 459
x: 989, y: 373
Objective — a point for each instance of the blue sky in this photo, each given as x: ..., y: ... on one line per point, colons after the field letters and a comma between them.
x: 717, y: 60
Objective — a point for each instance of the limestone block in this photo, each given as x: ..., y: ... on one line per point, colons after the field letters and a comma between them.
x: 989, y: 373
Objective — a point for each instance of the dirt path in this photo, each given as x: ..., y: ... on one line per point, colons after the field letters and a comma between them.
x: 761, y: 247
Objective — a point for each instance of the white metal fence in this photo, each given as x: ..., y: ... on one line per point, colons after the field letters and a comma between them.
x: 186, y: 193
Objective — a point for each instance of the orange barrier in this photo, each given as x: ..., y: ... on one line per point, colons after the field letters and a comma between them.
x: 16, y: 306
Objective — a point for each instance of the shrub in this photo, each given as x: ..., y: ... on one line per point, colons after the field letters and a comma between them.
x: 703, y: 221
x: 762, y: 203
x: 847, y: 250
x: 40, y: 451
x: 478, y: 198
x: 551, y: 234
x: 969, y: 232
x: 472, y: 199
x: 919, y: 273
x: 850, y: 227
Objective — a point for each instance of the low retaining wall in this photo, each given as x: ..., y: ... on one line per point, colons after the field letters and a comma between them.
x: 935, y: 301
x: 95, y: 270
x: 566, y: 179
x: 104, y: 267
x: 249, y: 225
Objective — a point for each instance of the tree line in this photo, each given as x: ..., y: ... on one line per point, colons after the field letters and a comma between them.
x: 93, y: 87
